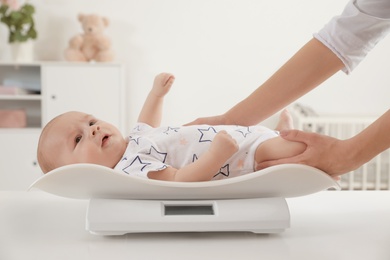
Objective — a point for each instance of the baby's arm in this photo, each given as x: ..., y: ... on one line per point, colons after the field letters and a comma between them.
x: 151, y: 112
x: 204, y: 169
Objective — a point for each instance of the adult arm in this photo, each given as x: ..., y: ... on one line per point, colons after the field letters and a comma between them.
x: 336, y: 156
x: 341, y: 44
x: 350, y: 36
x: 309, y: 67
x: 151, y: 112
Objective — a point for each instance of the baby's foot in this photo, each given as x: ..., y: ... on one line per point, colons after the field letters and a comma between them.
x: 285, y: 121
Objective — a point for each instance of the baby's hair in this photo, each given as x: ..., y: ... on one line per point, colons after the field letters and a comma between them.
x: 45, y: 164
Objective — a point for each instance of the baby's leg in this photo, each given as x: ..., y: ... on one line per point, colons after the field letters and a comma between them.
x: 277, y: 148
x: 285, y: 121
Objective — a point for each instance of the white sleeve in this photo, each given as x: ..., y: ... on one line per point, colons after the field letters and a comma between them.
x: 356, y: 31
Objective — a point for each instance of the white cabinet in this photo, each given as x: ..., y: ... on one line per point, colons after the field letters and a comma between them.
x: 18, y: 168
x: 96, y: 88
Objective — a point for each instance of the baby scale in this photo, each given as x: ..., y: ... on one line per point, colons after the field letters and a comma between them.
x: 120, y: 204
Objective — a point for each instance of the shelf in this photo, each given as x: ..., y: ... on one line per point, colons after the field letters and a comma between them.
x: 26, y: 77
x: 33, y: 130
x: 30, y: 104
x: 21, y: 97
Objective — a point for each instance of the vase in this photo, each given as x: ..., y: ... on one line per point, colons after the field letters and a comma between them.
x: 22, y: 51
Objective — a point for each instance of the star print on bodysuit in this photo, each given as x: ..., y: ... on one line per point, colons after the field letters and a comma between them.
x: 207, y: 135
x: 244, y: 131
x: 156, y: 154
x: 137, y: 162
x: 135, y: 139
x: 171, y: 129
x: 224, y: 170
x: 137, y: 128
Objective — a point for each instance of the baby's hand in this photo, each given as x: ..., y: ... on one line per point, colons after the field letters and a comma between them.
x: 223, y: 146
x: 162, y: 84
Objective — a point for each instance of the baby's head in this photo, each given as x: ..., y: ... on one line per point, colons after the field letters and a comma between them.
x: 76, y: 137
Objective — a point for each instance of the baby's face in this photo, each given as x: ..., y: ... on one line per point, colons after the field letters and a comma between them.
x: 77, y: 137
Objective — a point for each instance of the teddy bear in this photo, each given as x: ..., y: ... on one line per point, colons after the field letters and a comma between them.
x: 92, y: 44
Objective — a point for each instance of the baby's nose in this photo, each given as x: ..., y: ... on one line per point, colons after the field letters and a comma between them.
x: 95, y: 128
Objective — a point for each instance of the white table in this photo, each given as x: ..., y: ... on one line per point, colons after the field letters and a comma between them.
x: 327, y: 225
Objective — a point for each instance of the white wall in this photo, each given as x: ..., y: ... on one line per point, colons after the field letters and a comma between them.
x: 219, y: 50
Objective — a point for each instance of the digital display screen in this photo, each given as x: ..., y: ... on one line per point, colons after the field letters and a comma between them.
x: 179, y: 210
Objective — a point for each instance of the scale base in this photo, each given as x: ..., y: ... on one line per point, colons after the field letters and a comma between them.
x: 119, y: 217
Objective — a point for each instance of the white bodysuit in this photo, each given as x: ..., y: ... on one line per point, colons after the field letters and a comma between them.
x: 356, y: 31
x: 154, y: 149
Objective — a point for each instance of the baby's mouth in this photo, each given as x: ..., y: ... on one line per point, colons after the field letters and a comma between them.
x: 105, y: 139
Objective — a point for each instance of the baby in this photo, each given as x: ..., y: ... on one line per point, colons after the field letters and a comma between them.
x: 185, y: 153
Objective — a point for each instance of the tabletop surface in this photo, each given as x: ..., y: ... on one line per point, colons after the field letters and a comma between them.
x: 326, y: 225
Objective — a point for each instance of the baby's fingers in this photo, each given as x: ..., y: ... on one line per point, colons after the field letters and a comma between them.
x: 169, y: 81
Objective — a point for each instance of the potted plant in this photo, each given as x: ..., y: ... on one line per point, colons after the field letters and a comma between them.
x: 21, y: 26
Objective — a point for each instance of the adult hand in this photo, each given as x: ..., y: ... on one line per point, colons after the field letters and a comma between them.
x: 326, y: 153
x: 212, y: 120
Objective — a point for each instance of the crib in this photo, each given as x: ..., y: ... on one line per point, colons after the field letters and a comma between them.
x: 374, y: 175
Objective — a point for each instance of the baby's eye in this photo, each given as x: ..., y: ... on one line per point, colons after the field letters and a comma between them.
x: 77, y: 139
x: 91, y: 123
